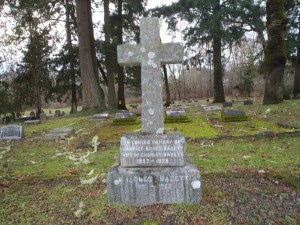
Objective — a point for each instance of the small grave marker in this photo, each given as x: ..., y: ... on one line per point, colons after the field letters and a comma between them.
x: 227, y: 104
x: 212, y: 108
x: 248, y: 102
x: 233, y: 115
x: 100, y: 117
x: 12, y: 132
x: 176, y: 116
x: 124, y: 118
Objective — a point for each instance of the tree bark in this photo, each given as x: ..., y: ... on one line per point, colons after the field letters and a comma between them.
x: 91, y: 91
x: 168, y: 100
x: 276, y: 53
x: 109, y: 58
x: 297, y: 65
x: 217, y: 58
x: 71, y: 62
x: 121, y: 75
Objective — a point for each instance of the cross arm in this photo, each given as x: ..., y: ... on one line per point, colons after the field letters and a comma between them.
x: 129, y: 55
x: 171, y: 53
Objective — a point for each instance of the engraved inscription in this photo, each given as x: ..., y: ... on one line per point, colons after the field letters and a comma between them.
x: 157, y: 151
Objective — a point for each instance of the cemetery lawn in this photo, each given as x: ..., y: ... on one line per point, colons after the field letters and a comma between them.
x: 247, y: 177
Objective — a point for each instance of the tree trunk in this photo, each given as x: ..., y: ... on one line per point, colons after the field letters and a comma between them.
x: 297, y: 66
x: 276, y: 53
x: 121, y: 75
x: 217, y: 59
x: 168, y: 101
x: 71, y: 62
x: 109, y: 58
x: 91, y: 92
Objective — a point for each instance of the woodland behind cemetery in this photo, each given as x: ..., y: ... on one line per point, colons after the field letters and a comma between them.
x: 64, y: 51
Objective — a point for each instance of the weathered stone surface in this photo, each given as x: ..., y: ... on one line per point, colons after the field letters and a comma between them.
x: 58, y: 133
x: 12, y: 132
x: 152, y: 150
x: 151, y: 54
x: 146, y: 186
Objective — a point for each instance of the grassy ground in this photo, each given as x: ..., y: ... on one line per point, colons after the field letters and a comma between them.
x: 247, y: 179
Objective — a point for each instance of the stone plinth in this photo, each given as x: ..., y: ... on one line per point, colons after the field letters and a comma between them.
x: 154, y: 185
x: 152, y: 150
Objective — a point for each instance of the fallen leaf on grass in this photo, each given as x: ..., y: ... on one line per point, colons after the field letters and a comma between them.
x: 92, y: 180
x: 261, y: 171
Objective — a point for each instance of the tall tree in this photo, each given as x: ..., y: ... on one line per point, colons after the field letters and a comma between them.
x: 276, y: 51
x: 91, y: 90
x: 69, y: 6
x: 293, y: 40
x: 109, y: 57
x: 211, y: 22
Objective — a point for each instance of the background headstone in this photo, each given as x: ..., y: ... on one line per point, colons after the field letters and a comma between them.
x: 100, y: 117
x: 233, y: 115
x: 248, y: 102
x: 43, y: 116
x: 12, y: 132
x: 57, y: 113
x: 32, y: 114
x: 227, y: 104
x: 212, y: 108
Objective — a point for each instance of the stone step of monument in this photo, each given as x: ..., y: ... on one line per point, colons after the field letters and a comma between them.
x: 144, y: 186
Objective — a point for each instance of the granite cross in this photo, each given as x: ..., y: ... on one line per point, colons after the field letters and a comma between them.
x: 151, y: 54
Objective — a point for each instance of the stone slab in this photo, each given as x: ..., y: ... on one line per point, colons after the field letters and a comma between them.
x: 212, y: 108
x: 100, y: 117
x: 147, y: 186
x: 124, y: 115
x: 152, y: 150
x: 58, y: 133
x: 32, y: 122
x: 175, y: 112
x: 12, y: 132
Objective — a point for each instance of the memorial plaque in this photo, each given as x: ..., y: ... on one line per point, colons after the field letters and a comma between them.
x: 157, y: 150
x: 12, y: 133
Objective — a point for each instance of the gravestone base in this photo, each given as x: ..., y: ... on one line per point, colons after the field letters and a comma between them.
x: 154, y: 185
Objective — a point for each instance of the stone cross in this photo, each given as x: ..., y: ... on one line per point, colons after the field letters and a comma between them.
x: 150, y: 54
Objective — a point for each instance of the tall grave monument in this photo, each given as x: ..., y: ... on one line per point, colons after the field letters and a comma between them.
x: 153, y: 167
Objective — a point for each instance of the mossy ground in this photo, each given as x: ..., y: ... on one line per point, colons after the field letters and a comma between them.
x: 246, y: 180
